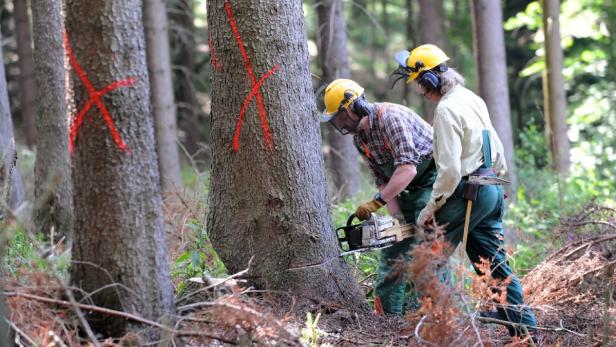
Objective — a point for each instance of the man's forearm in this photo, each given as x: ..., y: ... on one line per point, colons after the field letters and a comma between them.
x: 402, y: 176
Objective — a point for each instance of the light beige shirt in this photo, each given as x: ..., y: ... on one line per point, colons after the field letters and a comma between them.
x: 459, y: 119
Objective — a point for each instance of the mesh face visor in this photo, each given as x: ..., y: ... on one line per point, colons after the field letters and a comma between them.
x: 337, y: 119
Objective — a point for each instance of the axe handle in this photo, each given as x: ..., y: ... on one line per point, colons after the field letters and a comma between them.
x: 467, y: 221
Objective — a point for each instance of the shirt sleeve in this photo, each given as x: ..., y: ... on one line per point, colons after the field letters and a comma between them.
x: 400, y: 136
x: 448, y: 134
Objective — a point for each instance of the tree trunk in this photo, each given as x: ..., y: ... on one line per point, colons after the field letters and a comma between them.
x: 53, y: 186
x: 268, y: 199
x: 186, y: 96
x: 408, y: 93
x: 163, y: 104
x: 342, y: 158
x: 5, y: 328
x: 489, y: 42
x: 555, y: 99
x: 432, y: 31
x: 11, y: 189
x: 119, y: 231
x: 27, y: 88
x: 6, y: 339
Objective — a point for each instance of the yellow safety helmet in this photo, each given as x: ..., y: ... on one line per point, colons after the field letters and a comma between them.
x: 340, y: 94
x: 423, y: 58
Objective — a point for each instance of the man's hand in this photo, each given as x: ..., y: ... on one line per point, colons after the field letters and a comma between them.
x: 364, y: 210
x: 426, y: 216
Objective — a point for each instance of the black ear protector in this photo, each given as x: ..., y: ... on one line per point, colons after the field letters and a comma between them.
x: 360, y: 107
x: 430, y: 79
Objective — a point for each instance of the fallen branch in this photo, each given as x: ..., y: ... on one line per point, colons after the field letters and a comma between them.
x: 218, y: 283
x: 589, y: 243
x: 520, y: 325
x: 419, y: 338
x: 238, y: 308
x: 119, y: 314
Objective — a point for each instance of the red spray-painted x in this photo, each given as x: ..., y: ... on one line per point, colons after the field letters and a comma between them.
x: 254, y: 92
x: 95, y: 99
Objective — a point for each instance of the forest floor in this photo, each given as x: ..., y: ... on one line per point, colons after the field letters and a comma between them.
x: 572, y: 292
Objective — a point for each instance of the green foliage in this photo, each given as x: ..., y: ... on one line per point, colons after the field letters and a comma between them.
x: 198, y: 259
x: 310, y: 334
x: 23, y: 253
x: 543, y: 199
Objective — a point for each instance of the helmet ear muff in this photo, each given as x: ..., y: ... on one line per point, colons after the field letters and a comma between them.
x: 430, y: 79
x: 360, y: 107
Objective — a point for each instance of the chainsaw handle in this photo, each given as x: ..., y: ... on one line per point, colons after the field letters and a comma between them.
x: 350, y: 220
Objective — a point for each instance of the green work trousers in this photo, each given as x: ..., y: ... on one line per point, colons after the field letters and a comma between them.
x: 391, y: 281
x: 485, y: 240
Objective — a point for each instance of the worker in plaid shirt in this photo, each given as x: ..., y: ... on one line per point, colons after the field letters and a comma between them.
x: 397, y: 146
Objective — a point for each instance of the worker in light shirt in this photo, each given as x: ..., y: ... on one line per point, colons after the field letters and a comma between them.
x: 465, y: 143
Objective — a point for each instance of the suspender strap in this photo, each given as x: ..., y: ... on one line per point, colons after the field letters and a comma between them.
x: 487, y: 149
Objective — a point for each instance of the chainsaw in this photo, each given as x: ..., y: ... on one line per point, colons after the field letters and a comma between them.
x: 376, y: 232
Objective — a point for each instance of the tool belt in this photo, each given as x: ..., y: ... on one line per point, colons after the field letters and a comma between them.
x: 471, y: 190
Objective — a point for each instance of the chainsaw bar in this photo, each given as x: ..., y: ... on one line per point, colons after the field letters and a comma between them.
x: 361, y: 250
x: 375, y: 233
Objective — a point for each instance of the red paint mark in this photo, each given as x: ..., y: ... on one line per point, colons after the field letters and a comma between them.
x: 215, y: 60
x: 95, y: 98
x: 254, y: 91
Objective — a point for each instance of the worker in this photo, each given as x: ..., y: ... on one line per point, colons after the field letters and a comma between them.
x: 397, y: 147
x: 465, y: 143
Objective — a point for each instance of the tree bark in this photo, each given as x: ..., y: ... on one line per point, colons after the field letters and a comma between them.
x: 183, y: 42
x: 432, y: 31
x: 163, y: 103
x: 5, y: 315
x: 5, y: 329
x: 53, y: 186
x: 555, y: 99
x: 11, y: 188
x: 27, y: 86
x: 342, y: 157
x: 408, y: 93
x: 489, y: 42
x: 119, y: 231
x: 270, y: 202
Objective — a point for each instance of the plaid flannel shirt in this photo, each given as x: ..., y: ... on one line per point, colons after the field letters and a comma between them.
x: 396, y: 134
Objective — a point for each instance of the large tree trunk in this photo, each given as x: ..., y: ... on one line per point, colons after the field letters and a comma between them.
x: 432, y: 31
x: 491, y: 61
x: 11, y: 189
x: 119, y: 232
x: 183, y: 42
x: 5, y: 329
x: 408, y: 93
x: 53, y: 186
x: 342, y: 157
x: 27, y: 87
x: 268, y: 199
x: 555, y: 99
x: 163, y: 103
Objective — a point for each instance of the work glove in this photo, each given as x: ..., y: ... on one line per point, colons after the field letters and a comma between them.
x: 364, y: 210
x: 426, y: 216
